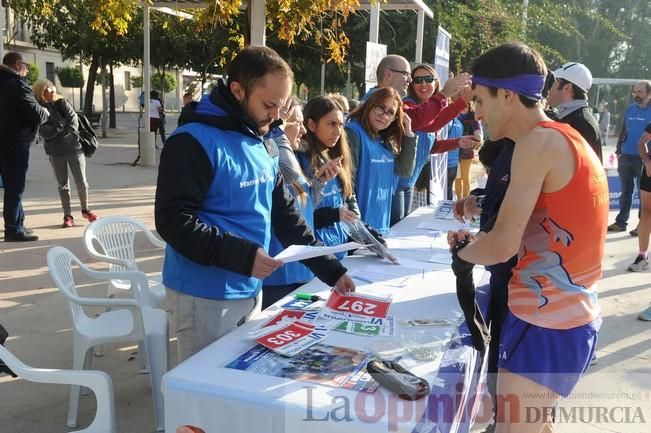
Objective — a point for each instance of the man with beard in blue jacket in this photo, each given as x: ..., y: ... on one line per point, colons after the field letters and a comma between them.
x: 219, y: 194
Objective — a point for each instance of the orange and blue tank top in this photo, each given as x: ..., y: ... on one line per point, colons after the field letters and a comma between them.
x: 554, y: 284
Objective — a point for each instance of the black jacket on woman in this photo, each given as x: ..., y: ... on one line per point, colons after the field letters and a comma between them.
x: 60, y: 132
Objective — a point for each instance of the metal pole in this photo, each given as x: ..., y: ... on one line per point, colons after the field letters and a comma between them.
x: 525, y: 7
x: 147, y: 151
x: 420, y: 29
x: 323, y: 78
x: 258, y: 22
x: 374, y: 32
x: 2, y: 32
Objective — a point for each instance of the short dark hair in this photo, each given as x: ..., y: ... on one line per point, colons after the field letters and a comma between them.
x: 11, y: 58
x: 508, y: 60
x: 253, y: 63
x: 576, y: 91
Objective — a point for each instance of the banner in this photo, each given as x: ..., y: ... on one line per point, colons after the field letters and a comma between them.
x: 442, y: 54
x: 374, y: 53
x: 439, y: 161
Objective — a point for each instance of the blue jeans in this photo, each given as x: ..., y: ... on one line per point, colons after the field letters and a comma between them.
x: 629, y: 169
x: 14, y: 160
x: 401, y: 203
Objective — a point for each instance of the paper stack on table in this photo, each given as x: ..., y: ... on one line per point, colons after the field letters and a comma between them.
x: 294, y: 253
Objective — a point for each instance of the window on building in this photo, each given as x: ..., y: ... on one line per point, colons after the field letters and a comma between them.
x: 127, y: 80
x: 49, y: 71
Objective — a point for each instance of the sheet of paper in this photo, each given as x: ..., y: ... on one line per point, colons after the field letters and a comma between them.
x: 295, y: 253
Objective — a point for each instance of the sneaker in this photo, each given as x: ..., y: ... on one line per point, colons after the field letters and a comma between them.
x: 633, y: 232
x: 68, y: 221
x: 89, y: 215
x: 639, y: 264
x: 614, y: 227
x: 645, y: 315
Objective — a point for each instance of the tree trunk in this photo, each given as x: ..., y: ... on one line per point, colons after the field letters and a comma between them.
x: 104, y: 98
x: 90, y: 86
x: 112, y: 123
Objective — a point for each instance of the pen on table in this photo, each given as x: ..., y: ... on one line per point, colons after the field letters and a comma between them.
x: 307, y: 297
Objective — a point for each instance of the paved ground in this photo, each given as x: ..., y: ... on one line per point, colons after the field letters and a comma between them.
x: 38, y: 319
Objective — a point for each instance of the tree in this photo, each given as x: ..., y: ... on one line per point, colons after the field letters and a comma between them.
x: 32, y: 74
x: 70, y: 76
x: 161, y: 81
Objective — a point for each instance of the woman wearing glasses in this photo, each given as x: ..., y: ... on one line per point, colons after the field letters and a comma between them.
x: 61, y: 144
x: 382, y: 146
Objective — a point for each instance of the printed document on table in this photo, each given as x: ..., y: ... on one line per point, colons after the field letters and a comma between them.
x: 295, y: 253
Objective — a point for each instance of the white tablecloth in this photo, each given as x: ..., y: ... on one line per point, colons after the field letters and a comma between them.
x: 201, y: 392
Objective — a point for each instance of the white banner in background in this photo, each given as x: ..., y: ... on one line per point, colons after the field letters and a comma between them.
x: 442, y: 54
x: 374, y: 53
x: 439, y: 162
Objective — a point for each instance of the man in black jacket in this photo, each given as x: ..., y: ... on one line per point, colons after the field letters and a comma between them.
x: 20, y: 116
x: 219, y: 193
x: 569, y: 96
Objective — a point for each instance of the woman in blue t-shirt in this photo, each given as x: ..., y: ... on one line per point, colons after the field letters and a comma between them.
x: 383, y: 146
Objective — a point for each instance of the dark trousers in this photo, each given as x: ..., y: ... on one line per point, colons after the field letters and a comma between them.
x: 401, y: 203
x: 452, y: 174
x: 14, y: 160
x: 629, y: 169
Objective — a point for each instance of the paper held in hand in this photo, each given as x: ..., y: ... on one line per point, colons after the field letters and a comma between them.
x: 355, y: 307
x: 294, y: 253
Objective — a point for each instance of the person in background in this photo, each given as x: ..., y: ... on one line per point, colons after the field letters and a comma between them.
x: 219, y: 194
x: 287, y: 136
x: 644, y: 227
x: 629, y: 164
x: 455, y: 131
x: 155, y: 112
x: 604, y: 123
x: 60, y: 134
x: 20, y: 116
x: 325, y: 159
x: 568, y: 95
x: 470, y: 128
x: 382, y: 146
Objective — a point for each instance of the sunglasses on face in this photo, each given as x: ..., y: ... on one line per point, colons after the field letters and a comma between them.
x: 424, y: 79
x: 381, y: 111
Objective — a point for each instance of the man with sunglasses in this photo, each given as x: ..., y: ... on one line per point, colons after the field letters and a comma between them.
x: 21, y: 116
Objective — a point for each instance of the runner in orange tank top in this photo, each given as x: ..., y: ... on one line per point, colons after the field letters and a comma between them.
x: 554, y: 216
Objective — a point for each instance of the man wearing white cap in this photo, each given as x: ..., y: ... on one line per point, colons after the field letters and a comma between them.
x: 569, y: 96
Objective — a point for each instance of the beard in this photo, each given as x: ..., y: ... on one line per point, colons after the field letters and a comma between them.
x: 263, y: 125
x: 637, y: 99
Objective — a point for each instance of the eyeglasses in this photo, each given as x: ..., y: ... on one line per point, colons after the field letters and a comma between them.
x: 296, y: 124
x: 20, y: 62
x: 381, y: 111
x: 424, y: 79
x: 405, y: 74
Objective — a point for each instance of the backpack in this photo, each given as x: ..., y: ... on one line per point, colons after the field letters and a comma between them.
x: 87, y: 136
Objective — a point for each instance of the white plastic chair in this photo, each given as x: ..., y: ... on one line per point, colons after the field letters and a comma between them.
x: 98, y: 381
x: 135, y: 320
x: 115, y: 236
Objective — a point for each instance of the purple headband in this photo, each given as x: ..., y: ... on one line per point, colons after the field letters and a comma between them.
x: 528, y: 85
